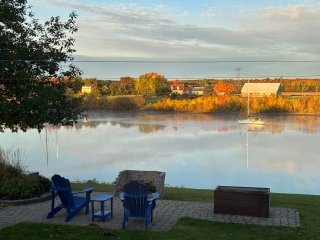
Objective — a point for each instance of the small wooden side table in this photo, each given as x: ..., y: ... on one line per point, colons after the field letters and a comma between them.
x: 102, y: 214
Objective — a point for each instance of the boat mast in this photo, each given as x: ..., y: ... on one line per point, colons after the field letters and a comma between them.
x: 247, y: 148
x: 248, y: 104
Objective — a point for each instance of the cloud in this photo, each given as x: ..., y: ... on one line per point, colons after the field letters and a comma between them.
x: 184, y: 13
x: 160, y: 31
x: 293, y: 13
x: 120, y: 13
x: 209, y: 13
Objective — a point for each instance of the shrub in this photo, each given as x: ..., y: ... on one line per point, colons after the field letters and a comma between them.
x: 14, y: 182
x: 227, y: 103
x: 114, y: 103
x: 126, y: 103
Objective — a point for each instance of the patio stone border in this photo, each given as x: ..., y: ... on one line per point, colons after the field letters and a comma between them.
x: 43, y: 197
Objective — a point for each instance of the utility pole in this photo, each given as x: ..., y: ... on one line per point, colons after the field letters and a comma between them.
x: 238, y: 70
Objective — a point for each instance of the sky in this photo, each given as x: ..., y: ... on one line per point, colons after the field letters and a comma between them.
x: 162, y: 33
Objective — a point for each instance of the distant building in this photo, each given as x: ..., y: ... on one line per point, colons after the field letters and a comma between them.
x: 199, y: 91
x: 87, y: 88
x: 261, y: 89
x: 179, y: 88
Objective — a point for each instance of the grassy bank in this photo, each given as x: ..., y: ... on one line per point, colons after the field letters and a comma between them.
x: 219, y: 104
x: 308, y: 206
x: 121, y: 102
x: 171, y: 193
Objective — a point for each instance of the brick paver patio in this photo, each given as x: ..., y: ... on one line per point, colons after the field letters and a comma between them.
x: 166, y: 215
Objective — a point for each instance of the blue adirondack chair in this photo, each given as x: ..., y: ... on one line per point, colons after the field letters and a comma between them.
x: 69, y: 200
x: 136, y: 202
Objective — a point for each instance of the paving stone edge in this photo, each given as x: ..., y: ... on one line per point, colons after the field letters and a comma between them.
x: 43, y: 197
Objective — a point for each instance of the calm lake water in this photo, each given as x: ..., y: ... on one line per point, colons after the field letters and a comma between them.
x: 195, y: 150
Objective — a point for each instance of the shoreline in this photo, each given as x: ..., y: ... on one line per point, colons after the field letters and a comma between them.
x: 206, y: 104
x: 230, y: 113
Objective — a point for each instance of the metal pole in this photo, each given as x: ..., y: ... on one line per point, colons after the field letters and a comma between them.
x: 248, y: 104
x: 248, y: 148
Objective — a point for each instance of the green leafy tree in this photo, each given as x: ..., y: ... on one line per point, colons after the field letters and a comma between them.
x: 114, y: 88
x: 152, y: 84
x: 102, y: 87
x: 30, y: 54
x: 76, y: 84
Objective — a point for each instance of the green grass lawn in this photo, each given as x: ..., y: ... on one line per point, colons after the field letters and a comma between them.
x: 186, y: 228
x: 171, y: 193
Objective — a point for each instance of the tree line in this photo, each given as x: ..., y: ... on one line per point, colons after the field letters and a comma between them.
x: 147, y: 84
x: 157, y: 84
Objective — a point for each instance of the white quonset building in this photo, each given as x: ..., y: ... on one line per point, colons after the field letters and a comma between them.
x: 261, y: 89
x: 198, y: 91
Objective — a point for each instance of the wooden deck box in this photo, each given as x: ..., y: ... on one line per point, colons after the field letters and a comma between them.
x: 246, y: 201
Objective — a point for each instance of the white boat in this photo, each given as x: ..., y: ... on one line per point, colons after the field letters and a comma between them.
x: 253, y: 120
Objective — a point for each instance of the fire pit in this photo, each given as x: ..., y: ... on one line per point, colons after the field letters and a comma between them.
x: 246, y: 201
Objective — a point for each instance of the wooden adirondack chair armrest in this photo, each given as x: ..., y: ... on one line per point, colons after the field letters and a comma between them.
x: 87, y: 190
x: 154, y: 196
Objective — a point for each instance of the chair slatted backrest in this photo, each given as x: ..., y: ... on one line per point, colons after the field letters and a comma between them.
x: 63, y: 187
x: 135, y: 194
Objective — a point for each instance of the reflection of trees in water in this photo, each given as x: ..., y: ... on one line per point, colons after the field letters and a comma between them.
x: 275, y: 125
x: 125, y: 125
x: 113, y: 123
x: 270, y: 128
x: 302, y: 123
x: 88, y: 124
x: 224, y: 129
x: 307, y: 124
x: 274, y: 128
x: 203, y: 117
x: 144, y: 128
x: 52, y: 127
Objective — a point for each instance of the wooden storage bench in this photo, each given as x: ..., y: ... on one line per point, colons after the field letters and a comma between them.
x: 246, y: 201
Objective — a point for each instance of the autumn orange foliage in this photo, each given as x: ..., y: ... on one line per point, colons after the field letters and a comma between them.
x: 153, y: 74
x: 236, y: 104
x: 225, y: 88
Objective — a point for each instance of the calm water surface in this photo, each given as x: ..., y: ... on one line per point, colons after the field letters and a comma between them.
x: 195, y: 150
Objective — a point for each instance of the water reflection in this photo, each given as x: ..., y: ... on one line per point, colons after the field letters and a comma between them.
x: 151, y: 122
x: 195, y: 150
x: 143, y: 128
